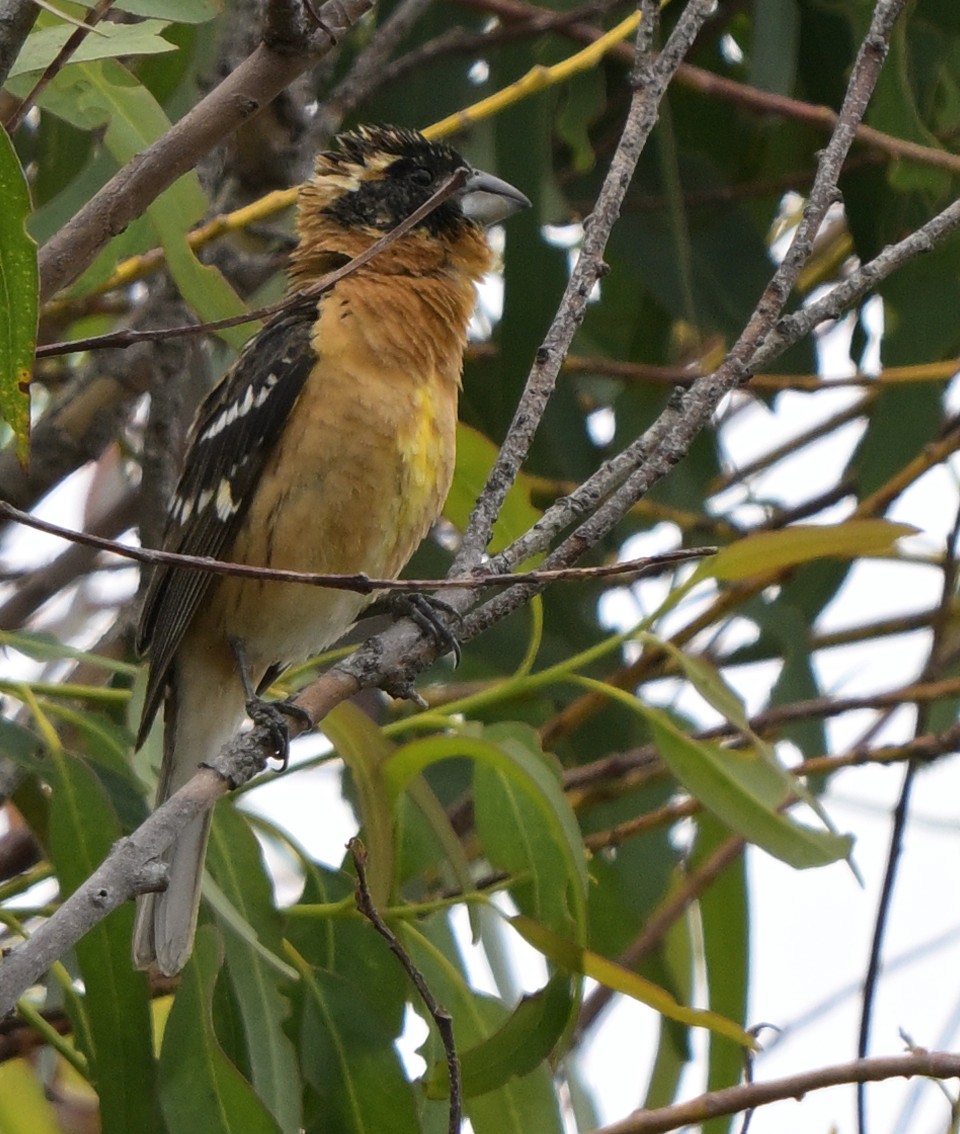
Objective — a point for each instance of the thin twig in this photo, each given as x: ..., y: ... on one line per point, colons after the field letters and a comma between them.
x: 931, y: 669
x: 607, y: 496
x: 590, y: 267
x: 360, y: 583
x: 733, y: 1100
x: 440, y: 1016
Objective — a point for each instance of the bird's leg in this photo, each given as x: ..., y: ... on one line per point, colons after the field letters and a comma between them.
x: 271, y: 715
x: 426, y: 611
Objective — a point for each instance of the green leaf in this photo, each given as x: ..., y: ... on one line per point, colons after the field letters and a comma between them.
x: 516, y: 1048
x: 725, y: 922
x: 744, y: 790
x: 45, y: 647
x: 350, y: 1062
x: 706, y: 679
x: 345, y: 944
x: 773, y: 52
x: 19, y: 296
x: 575, y: 958
x: 200, y: 1089
x: 513, y: 753
x: 774, y: 551
x: 235, y: 860
x: 176, y: 11
x: 83, y: 828
x: 103, y: 93
x: 107, y: 42
x: 136, y: 120
x: 739, y: 786
x: 515, y: 837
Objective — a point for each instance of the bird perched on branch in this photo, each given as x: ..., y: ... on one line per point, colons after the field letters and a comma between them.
x: 328, y: 447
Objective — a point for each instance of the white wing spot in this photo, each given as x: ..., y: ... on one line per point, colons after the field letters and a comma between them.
x: 225, y: 503
x: 264, y: 392
x: 182, y: 510
x: 235, y: 410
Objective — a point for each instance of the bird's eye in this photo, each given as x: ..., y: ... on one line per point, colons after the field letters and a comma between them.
x: 420, y: 175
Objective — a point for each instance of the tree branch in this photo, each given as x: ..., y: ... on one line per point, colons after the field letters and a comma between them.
x: 733, y: 1100
x: 241, y: 95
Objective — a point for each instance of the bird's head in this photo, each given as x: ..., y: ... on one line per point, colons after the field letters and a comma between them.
x: 378, y: 175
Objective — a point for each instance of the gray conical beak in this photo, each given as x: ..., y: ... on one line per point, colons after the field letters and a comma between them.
x: 488, y: 200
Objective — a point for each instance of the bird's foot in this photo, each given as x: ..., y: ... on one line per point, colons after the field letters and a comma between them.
x: 426, y: 612
x: 273, y: 716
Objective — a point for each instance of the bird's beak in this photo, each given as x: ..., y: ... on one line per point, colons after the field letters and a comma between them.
x: 488, y: 200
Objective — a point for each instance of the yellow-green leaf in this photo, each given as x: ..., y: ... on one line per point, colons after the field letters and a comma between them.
x: 575, y: 958
x: 774, y: 551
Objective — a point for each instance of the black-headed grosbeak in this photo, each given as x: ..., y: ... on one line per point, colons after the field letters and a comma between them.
x: 328, y: 447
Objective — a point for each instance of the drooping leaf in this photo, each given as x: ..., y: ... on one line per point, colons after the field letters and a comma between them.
x: 574, y: 958
x: 235, y: 860
x: 83, y: 828
x: 775, y: 550
x: 521, y: 1044
x: 200, y: 1089
x: 357, y: 1085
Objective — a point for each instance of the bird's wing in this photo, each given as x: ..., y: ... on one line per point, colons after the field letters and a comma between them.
x: 237, y: 426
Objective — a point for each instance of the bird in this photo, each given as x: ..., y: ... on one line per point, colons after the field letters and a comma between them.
x: 327, y: 447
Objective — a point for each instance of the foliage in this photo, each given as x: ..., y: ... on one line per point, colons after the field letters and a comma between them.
x: 587, y: 781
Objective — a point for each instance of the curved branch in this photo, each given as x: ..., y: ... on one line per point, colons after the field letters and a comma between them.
x: 241, y: 95
x: 733, y: 1100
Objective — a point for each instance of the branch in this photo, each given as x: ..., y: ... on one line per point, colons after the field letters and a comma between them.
x: 606, y: 496
x: 241, y: 95
x: 130, y: 868
x: 733, y: 1100
x: 440, y: 1016
x: 360, y: 583
x: 587, y: 271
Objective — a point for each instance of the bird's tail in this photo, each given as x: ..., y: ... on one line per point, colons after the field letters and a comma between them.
x: 195, y: 728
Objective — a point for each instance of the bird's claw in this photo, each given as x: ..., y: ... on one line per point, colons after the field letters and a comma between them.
x: 272, y: 715
x: 424, y: 611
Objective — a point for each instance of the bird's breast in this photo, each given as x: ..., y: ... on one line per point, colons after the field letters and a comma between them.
x: 356, y: 479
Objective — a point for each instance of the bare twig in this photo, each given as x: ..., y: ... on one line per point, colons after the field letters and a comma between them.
x: 590, y: 267
x: 733, y: 1100
x: 360, y: 583
x: 607, y: 495
x: 440, y: 1016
